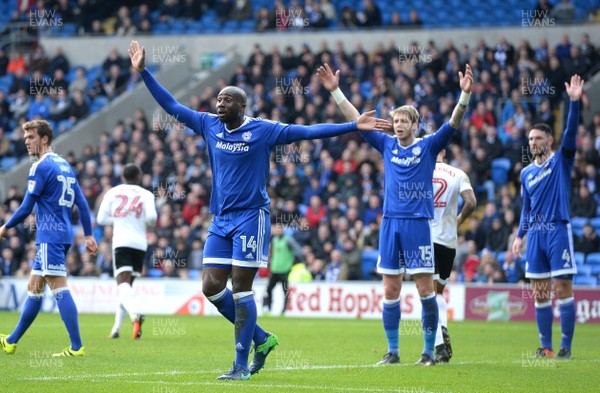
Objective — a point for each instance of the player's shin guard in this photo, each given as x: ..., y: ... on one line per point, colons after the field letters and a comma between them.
x: 567, y: 321
x: 430, y: 323
x: 245, y: 323
x: 391, y: 323
x: 31, y: 308
x: 443, y: 318
x: 127, y: 299
x: 543, y: 317
x: 68, y: 313
x: 223, y: 301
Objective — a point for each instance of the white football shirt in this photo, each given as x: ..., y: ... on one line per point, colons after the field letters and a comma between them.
x: 128, y: 208
x: 448, y: 183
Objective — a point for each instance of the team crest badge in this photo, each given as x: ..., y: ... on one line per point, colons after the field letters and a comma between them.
x: 416, y: 151
x: 31, y: 185
x: 246, y: 136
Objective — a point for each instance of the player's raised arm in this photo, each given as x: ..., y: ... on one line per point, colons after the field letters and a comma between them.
x: 183, y: 114
x: 331, y: 82
x: 441, y: 138
x: 574, y: 90
x: 466, y: 83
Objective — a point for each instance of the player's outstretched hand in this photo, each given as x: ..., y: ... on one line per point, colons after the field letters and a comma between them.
x: 516, y: 247
x: 575, y: 88
x: 137, y: 54
x: 367, y: 122
x: 466, y: 80
x: 330, y: 80
x: 91, y: 245
x: 2, y: 232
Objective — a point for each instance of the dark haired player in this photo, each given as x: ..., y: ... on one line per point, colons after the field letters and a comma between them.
x: 129, y: 208
x: 546, y: 191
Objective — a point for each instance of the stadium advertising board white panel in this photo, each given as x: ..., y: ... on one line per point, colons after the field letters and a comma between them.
x: 100, y: 296
x: 361, y: 300
x: 344, y: 300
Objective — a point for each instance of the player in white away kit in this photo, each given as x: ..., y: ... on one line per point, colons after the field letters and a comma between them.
x: 129, y: 208
x: 448, y: 183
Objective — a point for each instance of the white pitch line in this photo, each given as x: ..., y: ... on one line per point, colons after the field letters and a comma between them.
x: 287, y: 386
x: 287, y: 369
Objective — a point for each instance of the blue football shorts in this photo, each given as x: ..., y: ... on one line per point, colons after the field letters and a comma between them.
x: 50, y: 260
x: 550, y: 251
x: 405, y: 246
x: 239, y: 238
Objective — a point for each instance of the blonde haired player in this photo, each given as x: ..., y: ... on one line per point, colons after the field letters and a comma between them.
x: 448, y: 183
x: 129, y: 208
x: 406, y: 244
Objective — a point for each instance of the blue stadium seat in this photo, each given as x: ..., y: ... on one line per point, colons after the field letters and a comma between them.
x: 6, y: 163
x: 365, y: 89
x: 155, y: 273
x: 369, y: 264
x: 500, y: 168
x: 593, y: 259
x: 579, y: 258
x: 595, y: 269
x: 584, y: 270
x: 194, y: 274
x: 98, y: 103
x: 577, y: 223
x: 501, y: 257
x: 584, y: 280
x: 596, y: 223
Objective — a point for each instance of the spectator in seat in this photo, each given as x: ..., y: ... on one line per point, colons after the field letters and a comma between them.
x: 481, y: 116
x: 352, y: 258
x: 59, y: 107
x: 337, y: 270
x: 240, y: 10
x: 370, y: 16
x: 589, y: 241
x: 169, y: 11
x: 315, y: 212
x: 512, y: 270
x: 583, y: 204
x: 563, y: 12
x: 348, y: 19
x: 79, y: 107
x: 17, y: 62
x: 8, y: 263
x: 413, y: 20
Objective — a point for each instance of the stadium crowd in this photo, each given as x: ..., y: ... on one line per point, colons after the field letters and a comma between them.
x: 40, y: 86
x: 327, y: 193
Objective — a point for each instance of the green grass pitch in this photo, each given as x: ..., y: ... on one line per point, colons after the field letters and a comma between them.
x: 186, y: 353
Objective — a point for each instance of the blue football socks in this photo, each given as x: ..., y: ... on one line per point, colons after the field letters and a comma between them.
x: 543, y: 317
x: 391, y: 324
x: 430, y: 316
x: 245, y: 322
x: 567, y: 321
x: 223, y: 301
x: 31, y: 308
x: 68, y: 313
